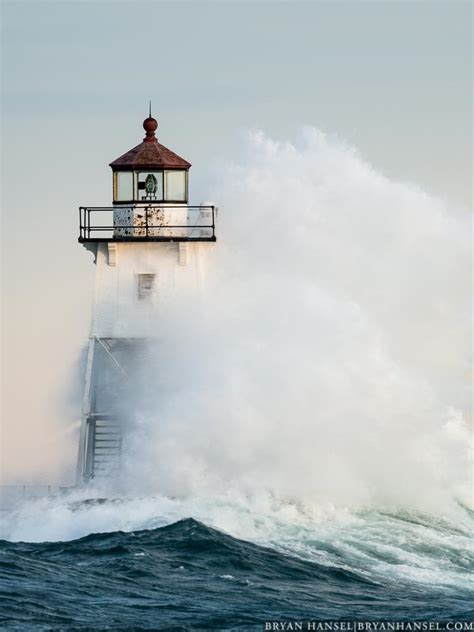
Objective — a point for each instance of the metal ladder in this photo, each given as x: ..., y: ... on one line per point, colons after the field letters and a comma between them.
x: 105, y: 446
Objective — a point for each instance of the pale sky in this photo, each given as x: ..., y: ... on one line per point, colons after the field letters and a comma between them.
x: 392, y: 78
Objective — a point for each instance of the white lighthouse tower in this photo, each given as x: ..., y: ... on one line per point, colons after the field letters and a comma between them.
x: 149, y: 245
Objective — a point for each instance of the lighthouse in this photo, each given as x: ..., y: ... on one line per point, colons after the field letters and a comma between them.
x: 148, y: 246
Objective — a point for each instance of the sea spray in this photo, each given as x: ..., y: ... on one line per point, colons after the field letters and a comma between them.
x: 328, y: 360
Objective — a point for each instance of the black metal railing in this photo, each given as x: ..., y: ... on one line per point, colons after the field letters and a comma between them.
x: 156, y: 222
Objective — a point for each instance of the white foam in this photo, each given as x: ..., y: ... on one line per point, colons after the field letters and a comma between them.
x: 397, y: 547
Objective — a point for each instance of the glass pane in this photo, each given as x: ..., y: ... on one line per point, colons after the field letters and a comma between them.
x: 150, y: 185
x: 124, y: 186
x: 175, y: 186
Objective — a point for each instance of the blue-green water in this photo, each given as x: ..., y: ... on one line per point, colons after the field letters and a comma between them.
x: 188, y: 576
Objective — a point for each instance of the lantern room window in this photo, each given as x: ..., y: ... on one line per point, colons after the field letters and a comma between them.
x: 123, y: 189
x: 162, y: 186
x: 175, y: 186
x: 150, y: 185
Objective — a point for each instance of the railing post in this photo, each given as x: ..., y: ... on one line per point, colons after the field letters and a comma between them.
x: 146, y: 221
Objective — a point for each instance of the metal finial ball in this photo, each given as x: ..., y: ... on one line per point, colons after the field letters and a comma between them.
x: 150, y: 125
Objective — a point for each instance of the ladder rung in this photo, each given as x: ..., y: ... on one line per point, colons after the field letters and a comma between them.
x: 105, y: 467
x: 108, y: 427
x: 107, y: 456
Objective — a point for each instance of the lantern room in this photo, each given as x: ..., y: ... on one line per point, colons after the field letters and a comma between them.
x: 150, y: 172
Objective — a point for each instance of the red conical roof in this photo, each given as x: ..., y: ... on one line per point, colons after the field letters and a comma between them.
x: 150, y: 154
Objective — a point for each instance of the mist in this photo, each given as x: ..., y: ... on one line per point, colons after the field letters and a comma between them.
x: 328, y: 360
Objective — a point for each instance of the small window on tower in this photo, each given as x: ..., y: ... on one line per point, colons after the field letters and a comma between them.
x: 146, y: 286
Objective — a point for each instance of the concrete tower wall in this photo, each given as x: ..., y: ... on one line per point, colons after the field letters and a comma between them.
x: 135, y: 284
x: 136, y: 281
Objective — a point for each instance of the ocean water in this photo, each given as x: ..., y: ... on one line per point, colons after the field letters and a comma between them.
x: 187, y: 575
